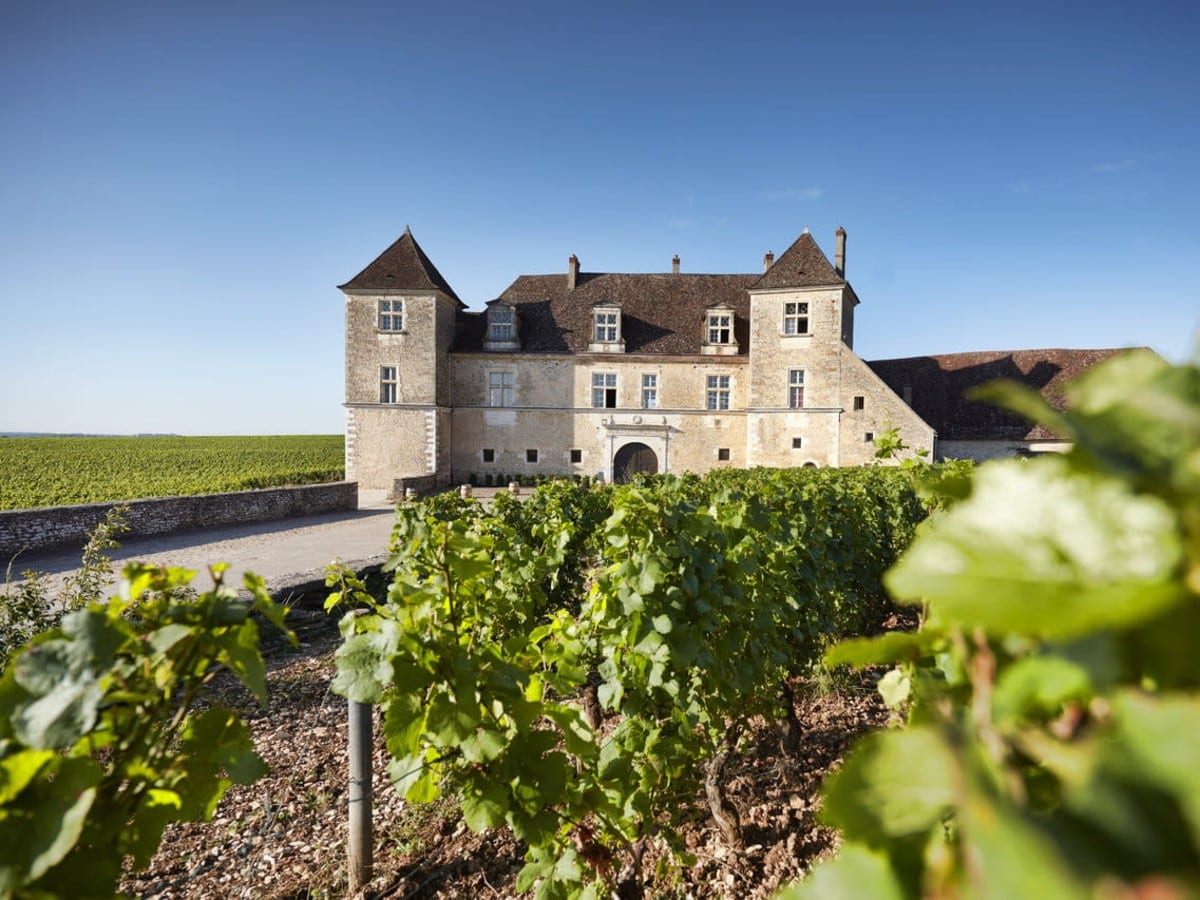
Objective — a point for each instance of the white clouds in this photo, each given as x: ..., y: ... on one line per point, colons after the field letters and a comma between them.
x: 787, y: 195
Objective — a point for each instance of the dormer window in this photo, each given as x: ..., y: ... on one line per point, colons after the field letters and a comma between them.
x: 502, y: 324
x: 391, y: 315
x: 795, y: 318
x: 501, y: 328
x: 720, y: 328
x: 719, y: 339
x: 606, y: 330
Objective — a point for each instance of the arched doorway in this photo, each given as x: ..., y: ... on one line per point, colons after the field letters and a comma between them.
x: 632, y: 459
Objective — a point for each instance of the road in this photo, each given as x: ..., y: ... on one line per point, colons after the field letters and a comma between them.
x: 291, y: 554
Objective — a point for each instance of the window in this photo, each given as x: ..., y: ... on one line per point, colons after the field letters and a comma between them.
x: 649, y: 391
x: 723, y: 454
x: 604, y: 329
x: 391, y: 315
x: 531, y: 456
x: 387, y: 384
x: 797, y: 443
x: 860, y: 402
x: 576, y: 456
x: 869, y: 437
x: 500, y: 388
x: 795, y: 318
x: 501, y: 323
x: 604, y: 390
x: 795, y: 388
x: 489, y: 454
x: 720, y: 328
x: 718, y: 392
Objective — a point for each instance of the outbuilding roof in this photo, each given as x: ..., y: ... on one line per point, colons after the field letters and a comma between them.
x: 936, y: 387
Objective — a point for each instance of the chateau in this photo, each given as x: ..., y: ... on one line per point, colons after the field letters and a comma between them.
x: 610, y: 374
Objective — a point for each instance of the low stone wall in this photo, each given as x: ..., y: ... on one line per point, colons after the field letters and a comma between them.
x: 40, y: 529
x: 422, y: 484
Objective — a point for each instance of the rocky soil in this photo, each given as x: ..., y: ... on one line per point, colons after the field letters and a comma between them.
x: 284, y: 836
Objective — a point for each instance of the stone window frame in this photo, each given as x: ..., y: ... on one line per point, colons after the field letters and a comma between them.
x: 860, y: 402
x: 575, y: 455
x: 796, y: 318
x: 869, y: 437
x: 718, y: 329
x: 531, y: 455
x: 389, y: 384
x: 489, y: 454
x: 502, y: 322
x: 795, y: 389
x: 390, y: 320
x: 649, y: 390
x: 500, y: 389
x: 797, y: 443
x: 717, y: 392
x: 606, y: 325
x: 604, y: 390
x: 723, y: 454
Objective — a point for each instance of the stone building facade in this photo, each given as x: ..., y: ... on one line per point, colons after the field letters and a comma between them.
x: 587, y: 373
x: 607, y: 374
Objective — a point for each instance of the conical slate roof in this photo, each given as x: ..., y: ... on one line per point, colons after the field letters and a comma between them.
x: 401, y: 267
x: 802, y: 265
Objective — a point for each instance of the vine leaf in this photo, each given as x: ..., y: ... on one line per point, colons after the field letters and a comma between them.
x: 1044, y: 551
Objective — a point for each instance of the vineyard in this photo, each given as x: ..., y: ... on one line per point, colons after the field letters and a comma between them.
x: 58, y: 471
x: 590, y: 679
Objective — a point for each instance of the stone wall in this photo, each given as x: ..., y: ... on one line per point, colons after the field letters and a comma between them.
x: 38, y: 529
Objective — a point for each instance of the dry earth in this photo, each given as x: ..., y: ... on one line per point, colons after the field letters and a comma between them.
x: 284, y: 836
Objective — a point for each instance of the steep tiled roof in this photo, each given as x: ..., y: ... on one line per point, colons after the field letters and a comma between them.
x: 402, y: 267
x: 659, y: 313
x: 939, y: 386
x: 802, y: 265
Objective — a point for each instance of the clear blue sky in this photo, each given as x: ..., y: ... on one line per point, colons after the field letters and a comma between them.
x: 183, y: 184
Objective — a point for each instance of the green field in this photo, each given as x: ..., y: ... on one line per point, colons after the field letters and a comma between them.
x: 56, y: 471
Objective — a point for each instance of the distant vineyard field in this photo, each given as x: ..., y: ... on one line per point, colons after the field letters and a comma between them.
x: 57, y: 471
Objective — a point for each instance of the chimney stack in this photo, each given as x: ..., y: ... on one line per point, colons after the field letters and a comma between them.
x: 572, y: 272
x: 768, y: 260
x: 675, y: 264
x: 839, y: 252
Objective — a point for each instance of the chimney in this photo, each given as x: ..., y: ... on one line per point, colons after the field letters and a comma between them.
x: 572, y: 272
x: 839, y: 252
x: 675, y: 264
x: 768, y: 260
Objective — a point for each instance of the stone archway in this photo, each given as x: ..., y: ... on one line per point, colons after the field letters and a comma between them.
x: 633, y: 459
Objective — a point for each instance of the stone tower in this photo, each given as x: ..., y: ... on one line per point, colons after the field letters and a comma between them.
x: 400, y: 315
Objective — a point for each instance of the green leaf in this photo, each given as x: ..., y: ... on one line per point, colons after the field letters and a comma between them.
x: 854, y: 872
x: 219, y: 736
x: 66, y: 695
x: 485, y: 807
x: 895, y: 784
x: 1042, y: 550
x: 450, y: 723
x: 1038, y: 686
x: 19, y: 769
x: 240, y: 654
x: 895, y: 687
x: 893, y: 647
x: 485, y: 745
x: 1159, y: 736
x: 1010, y: 856
x: 364, y: 662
